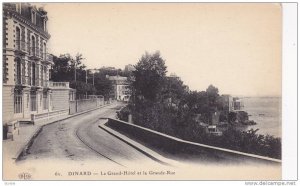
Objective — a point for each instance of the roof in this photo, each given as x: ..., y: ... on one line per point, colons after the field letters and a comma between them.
x: 117, y: 78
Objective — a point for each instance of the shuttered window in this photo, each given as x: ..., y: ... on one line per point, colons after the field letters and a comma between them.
x: 18, y: 102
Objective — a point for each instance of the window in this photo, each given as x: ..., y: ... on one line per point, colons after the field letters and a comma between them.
x: 18, y: 102
x: 50, y: 74
x: 33, y: 74
x: 45, y: 76
x: 45, y: 24
x: 45, y: 100
x: 44, y: 51
x: 18, y: 71
x: 18, y: 38
x: 33, y: 48
x: 33, y: 101
x: 33, y: 17
x: 42, y: 75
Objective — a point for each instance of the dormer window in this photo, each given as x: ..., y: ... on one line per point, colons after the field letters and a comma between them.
x: 18, y: 7
x: 45, y: 24
x: 33, y: 16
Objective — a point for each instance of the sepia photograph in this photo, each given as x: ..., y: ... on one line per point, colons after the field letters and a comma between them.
x: 142, y: 91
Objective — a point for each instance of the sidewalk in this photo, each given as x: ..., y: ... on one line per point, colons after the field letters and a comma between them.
x: 13, y: 149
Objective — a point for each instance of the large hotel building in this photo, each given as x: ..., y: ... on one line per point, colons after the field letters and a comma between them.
x: 26, y: 62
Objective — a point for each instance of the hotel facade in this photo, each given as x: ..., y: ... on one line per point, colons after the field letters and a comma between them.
x: 26, y: 62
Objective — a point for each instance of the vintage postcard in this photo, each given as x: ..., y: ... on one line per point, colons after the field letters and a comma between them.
x: 142, y: 91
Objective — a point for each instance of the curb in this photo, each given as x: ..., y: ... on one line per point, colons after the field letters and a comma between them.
x: 23, y: 150
x: 27, y: 145
x: 141, y: 148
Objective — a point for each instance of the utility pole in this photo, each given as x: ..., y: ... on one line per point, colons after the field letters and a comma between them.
x: 93, y: 72
x: 86, y: 76
x: 75, y: 70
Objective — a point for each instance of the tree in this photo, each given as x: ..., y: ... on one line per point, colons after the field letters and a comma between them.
x: 64, y: 68
x: 232, y: 116
x: 152, y: 88
x: 174, y: 89
x: 213, y: 94
x: 78, y: 67
x: 197, y: 103
x: 150, y: 76
x: 82, y: 88
x: 102, y: 84
x: 61, y: 70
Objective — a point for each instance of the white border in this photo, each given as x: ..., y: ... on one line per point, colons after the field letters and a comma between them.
x: 289, y: 106
x: 289, y: 92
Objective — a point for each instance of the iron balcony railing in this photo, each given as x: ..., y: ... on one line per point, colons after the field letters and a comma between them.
x: 47, y: 57
x: 34, y: 52
x: 20, y: 46
x: 45, y: 83
x: 35, y: 82
x: 58, y: 84
x: 22, y: 80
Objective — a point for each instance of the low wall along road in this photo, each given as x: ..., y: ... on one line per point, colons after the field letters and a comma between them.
x: 85, y: 104
x: 179, y: 149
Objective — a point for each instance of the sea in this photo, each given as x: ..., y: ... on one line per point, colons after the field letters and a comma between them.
x: 266, y: 112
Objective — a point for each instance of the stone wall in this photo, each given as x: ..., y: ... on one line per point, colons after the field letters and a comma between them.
x: 171, y: 146
x: 60, y: 99
x: 85, y: 104
x: 7, y: 103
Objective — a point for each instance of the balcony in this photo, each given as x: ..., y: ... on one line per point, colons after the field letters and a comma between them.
x: 37, y: 83
x: 20, y: 47
x: 34, y: 53
x: 45, y: 83
x: 22, y: 81
x: 47, y: 58
x: 58, y: 85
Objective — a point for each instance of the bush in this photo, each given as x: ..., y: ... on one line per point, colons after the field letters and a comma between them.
x: 163, y: 119
x: 123, y: 114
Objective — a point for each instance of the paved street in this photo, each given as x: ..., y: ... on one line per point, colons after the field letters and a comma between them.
x: 77, y: 144
x: 80, y: 139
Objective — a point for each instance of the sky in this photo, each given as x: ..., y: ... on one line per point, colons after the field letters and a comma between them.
x: 235, y: 47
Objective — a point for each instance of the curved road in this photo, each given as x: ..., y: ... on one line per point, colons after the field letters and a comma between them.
x: 78, y: 144
x: 80, y: 139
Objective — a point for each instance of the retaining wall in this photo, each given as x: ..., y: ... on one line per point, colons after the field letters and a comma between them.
x: 85, y: 104
x: 60, y: 99
x: 170, y: 146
